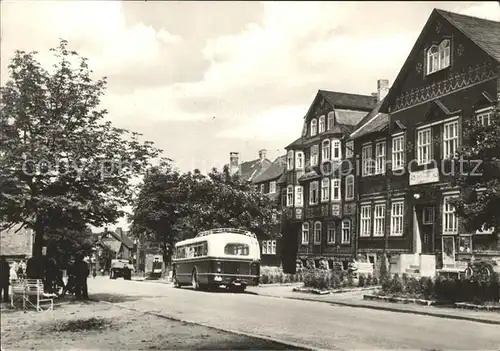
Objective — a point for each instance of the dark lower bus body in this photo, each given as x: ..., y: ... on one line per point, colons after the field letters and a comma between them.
x: 216, y: 272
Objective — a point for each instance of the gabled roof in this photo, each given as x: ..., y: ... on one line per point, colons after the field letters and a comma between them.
x: 251, y: 169
x: 297, y: 142
x: 124, y: 239
x: 373, y: 122
x: 349, y: 101
x: 485, y: 33
x: 274, y: 171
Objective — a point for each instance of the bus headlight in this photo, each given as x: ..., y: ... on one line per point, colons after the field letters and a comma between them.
x: 219, y: 268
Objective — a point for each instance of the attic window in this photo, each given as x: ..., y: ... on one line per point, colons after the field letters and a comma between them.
x: 314, y: 127
x: 331, y: 120
x: 438, y: 56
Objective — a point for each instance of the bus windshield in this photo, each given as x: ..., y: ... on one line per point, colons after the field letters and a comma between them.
x: 237, y: 249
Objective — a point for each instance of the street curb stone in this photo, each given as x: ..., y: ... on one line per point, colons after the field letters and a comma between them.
x: 227, y: 330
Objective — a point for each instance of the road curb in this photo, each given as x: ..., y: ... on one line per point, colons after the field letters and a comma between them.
x: 227, y: 330
x: 393, y: 309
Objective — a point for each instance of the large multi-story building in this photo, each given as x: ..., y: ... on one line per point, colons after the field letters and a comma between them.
x: 404, y: 145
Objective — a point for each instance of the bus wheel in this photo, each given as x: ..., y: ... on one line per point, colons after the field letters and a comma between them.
x: 194, y: 280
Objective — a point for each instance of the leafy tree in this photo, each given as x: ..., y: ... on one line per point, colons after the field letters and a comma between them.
x: 172, y: 206
x: 478, y: 168
x: 59, y: 156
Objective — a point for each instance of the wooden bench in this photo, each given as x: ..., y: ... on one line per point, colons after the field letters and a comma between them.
x: 30, y: 293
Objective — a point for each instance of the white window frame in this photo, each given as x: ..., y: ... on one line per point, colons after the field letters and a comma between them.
x: 336, y: 195
x: 349, y: 187
x: 346, y: 231
x: 444, y: 54
x: 336, y: 153
x: 314, y: 155
x: 432, y: 59
x: 272, y: 187
x: 397, y: 218
x: 330, y: 232
x: 262, y: 188
x: 313, y: 186
x: 331, y: 120
x: 305, y: 233
x: 299, y: 160
x: 289, y: 196
x: 325, y: 150
x: 325, y: 190
x: 318, y: 227
x: 367, y: 160
x: 314, y: 127
x: 365, y: 221
x: 269, y: 247
x: 379, y: 220
x: 349, y: 149
x: 289, y: 160
x: 484, y: 114
x: 321, y: 124
x: 450, y: 139
x: 424, y: 143
x: 264, y: 247
x: 450, y: 218
x: 398, y: 152
x: 380, y: 153
x: 299, y: 196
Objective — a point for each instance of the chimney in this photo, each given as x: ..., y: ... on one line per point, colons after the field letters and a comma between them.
x: 262, y: 154
x: 119, y: 232
x: 382, y: 89
x: 375, y: 95
x: 234, y: 162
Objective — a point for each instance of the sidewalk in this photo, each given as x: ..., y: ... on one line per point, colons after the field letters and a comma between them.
x: 355, y: 299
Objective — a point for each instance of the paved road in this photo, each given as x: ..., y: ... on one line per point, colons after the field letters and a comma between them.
x: 316, y: 324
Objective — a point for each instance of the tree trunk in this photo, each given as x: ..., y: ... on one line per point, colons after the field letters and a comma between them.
x: 38, y: 239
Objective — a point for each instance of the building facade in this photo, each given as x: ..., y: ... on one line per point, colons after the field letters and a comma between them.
x: 404, y: 148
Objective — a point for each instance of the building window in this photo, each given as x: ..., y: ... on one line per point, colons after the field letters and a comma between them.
x: 272, y: 187
x: 336, y: 189
x: 450, y: 139
x: 299, y: 196
x: 314, y: 155
x: 313, y: 193
x: 346, y: 231
x: 325, y: 190
x: 366, y: 160
x: 262, y: 188
x: 380, y: 158
x: 289, y: 158
x: 424, y: 146
x: 483, y: 116
x: 331, y: 120
x: 317, y: 233
x: 289, y: 196
x: 397, y: 218
x: 365, y: 220
x: 432, y: 59
x: 314, y: 127
x: 269, y: 247
x: 398, y: 152
x: 330, y: 234
x: 325, y: 150
x: 450, y: 219
x: 465, y: 244
x: 305, y: 233
x: 321, y: 124
x: 379, y: 220
x: 349, y: 149
x: 349, y: 187
x: 444, y: 54
x: 428, y: 215
x: 299, y: 160
x: 283, y: 198
x: 336, y: 151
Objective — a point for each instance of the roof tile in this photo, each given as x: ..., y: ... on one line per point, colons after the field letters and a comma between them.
x: 350, y: 101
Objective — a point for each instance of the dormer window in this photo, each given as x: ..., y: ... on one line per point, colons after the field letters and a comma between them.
x: 321, y: 124
x: 299, y: 160
x: 289, y: 160
x: 438, y: 56
x: 314, y: 127
x: 331, y: 120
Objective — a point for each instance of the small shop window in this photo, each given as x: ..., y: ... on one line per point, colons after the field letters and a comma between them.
x: 465, y: 245
x: 237, y: 249
x: 428, y: 215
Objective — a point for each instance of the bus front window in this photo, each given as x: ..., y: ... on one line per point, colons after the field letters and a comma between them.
x: 236, y: 249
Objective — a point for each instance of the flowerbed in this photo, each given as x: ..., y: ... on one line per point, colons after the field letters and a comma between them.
x: 332, y: 280
x: 275, y: 275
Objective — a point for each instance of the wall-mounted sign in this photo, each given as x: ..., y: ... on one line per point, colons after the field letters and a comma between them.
x: 424, y: 176
x: 335, y: 210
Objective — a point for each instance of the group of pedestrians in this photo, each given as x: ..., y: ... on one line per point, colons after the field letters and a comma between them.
x: 47, y: 270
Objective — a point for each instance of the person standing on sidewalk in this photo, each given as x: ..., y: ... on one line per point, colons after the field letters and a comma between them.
x: 4, y: 279
x: 81, y: 274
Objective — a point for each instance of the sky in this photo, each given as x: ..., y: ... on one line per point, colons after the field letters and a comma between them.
x: 203, y: 79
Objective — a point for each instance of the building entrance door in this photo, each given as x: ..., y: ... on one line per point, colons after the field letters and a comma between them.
x: 426, y: 224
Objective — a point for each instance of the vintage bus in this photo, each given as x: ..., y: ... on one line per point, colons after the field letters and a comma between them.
x: 222, y: 257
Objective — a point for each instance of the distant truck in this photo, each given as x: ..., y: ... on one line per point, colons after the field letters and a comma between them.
x: 154, y: 265
x: 121, y: 269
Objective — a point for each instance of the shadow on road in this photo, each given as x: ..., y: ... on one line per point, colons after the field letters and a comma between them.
x: 116, y: 298
x: 223, y: 291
